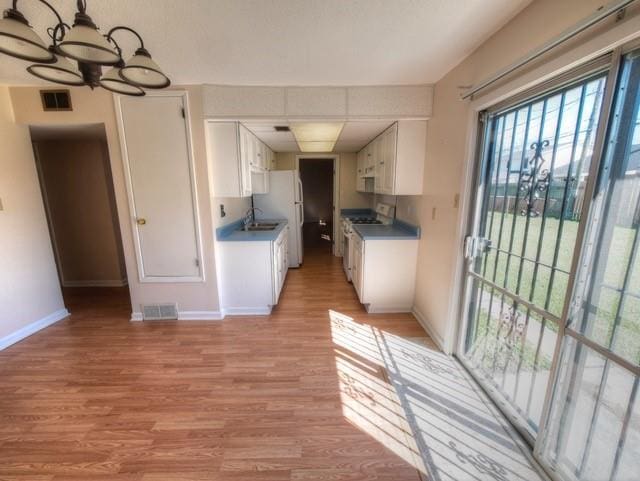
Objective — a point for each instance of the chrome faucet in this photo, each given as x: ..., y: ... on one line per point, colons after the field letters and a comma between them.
x: 250, y: 217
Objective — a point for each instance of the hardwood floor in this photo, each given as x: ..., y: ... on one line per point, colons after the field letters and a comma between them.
x: 96, y: 397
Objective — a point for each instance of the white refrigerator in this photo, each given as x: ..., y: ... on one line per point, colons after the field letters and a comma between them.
x: 284, y: 201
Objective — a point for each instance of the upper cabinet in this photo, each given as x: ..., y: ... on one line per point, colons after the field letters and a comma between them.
x: 239, y: 163
x: 393, y: 162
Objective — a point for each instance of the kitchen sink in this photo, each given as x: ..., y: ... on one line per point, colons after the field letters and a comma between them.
x: 259, y: 226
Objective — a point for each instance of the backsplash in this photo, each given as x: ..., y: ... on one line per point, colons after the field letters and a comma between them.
x: 407, y: 206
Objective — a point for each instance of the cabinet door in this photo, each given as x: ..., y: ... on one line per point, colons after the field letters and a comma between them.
x: 357, y: 268
x: 262, y: 155
x: 360, y: 183
x: 370, y: 158
x: 378, y: 149
x: 246, y: 151
x: 389, y: 159
x: 284, y: 259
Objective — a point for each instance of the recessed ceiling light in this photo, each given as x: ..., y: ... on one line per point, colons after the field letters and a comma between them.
x: 317, y: 131
x: 320, y: 146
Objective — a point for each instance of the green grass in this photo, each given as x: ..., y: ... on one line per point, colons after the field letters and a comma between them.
x: 549, y: 290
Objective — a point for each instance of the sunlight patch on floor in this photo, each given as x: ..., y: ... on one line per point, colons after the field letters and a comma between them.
x: 369, y: 401
x: 421, y: 405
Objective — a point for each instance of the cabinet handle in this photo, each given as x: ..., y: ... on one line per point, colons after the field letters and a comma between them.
x: 382, y: 162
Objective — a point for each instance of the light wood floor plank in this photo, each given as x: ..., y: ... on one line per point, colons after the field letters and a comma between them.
x: 96, y: 397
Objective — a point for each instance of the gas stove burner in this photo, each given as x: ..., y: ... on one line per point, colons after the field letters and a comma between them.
x: 366, y: 220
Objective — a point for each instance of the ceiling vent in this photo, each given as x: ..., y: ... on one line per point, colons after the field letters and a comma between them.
x: 282, y: 128
x: 53, y: 100
x: 158, y: 312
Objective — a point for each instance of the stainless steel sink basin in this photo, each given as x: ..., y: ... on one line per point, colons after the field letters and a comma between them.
x: 259, y: 226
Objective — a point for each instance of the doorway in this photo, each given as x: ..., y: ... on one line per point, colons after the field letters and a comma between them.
x: 317, y: 175
x: 74, y: 171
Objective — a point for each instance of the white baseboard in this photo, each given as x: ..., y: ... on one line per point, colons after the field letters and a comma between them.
x: 32, y: 328
x: 96, y: 283
x: 200, y: 316
x: 246, y: 311
x: 371, y: 309
x: 430, y: 330
x: 187, y: 316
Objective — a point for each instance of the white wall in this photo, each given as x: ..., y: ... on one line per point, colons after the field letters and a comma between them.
x: 234, y: 207
x: 29, y: 289
x: 449, y: 150
x: 97, y: 106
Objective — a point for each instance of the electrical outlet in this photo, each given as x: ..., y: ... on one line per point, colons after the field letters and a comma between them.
x: 222, y: 212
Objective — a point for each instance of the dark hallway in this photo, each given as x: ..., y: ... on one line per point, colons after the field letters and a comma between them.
x: 317, y: 183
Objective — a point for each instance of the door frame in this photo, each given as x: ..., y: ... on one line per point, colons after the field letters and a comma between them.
x: 142, y: 277
x: 337, y: 232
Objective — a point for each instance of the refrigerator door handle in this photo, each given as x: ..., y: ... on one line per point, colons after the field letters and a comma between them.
x: 301, y: 207
x: 300, y: 195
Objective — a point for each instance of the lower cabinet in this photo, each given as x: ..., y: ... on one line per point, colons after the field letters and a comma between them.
x: 251, y: 274
x: 280, y: 259
x: 384, y: 273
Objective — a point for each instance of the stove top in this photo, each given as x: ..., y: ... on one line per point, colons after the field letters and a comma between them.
x: 364, y: 220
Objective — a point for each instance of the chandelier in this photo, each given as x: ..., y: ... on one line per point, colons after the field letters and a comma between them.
x: 84, y: 45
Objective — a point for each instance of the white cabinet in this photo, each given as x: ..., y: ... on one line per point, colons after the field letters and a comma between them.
x: 251, y: 274
x: 396, y: 159
x: 361, y: 164
x: 384, y: 273
x: 238, y: 160
x: 357, y: 264
x: 280, y: 259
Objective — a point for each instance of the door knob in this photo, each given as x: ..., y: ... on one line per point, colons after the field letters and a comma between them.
x: 141, y: 221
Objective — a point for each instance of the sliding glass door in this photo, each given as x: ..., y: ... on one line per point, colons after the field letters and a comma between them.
x: 594, y: 423
x: 535, y: 173
x: 552, y: 296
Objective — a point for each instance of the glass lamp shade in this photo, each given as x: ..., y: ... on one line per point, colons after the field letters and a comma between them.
x: 62, y: 72
x: 19, y: 40
x: 141, y: 70
x: 85, y: 44
x: 113, y: 82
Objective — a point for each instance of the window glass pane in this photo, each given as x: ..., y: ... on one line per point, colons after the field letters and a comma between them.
x: 611, y: 281
x: 590, y: 408
x: 511, y: 347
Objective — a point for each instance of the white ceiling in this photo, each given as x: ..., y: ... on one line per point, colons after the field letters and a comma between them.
x: 353, y: 137
x: 291, y: 42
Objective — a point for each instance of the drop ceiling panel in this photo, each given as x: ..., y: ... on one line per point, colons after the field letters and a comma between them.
x: 348, y: 146
x: 363, y: 131
x: 353, y: 137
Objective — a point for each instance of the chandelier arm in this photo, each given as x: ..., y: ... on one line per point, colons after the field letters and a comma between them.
x: 53, y: 32
x: 60, y: 24
x: 128, y: 29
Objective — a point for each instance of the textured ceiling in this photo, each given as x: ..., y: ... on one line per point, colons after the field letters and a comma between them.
x: 291, y: 42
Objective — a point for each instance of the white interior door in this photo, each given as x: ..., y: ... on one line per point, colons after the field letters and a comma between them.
x: 157, y: 153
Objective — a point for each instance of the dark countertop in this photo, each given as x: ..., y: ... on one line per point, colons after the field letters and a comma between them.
x: 233, y: 233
